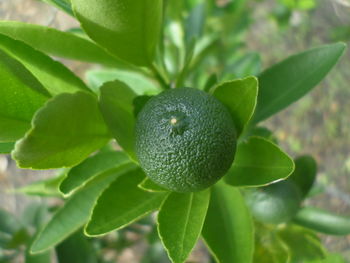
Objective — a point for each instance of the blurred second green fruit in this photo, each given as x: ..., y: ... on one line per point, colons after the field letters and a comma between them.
x: 276, y: 203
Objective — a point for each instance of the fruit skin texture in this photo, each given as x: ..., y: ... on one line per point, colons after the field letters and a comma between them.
x: 276, y: 203
x: 185, y: 139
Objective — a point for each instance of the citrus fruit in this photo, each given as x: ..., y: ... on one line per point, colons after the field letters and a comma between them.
x: 185, y: 139
x: 276, y: 203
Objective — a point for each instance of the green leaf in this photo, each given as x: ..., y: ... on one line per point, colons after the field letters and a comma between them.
x: 35, y: 214
x: 58, y: 43
x: 186, y: 65
x: 48, y: 187
x: 121, y: 204
x: 195, y: 22
x: 76, y: 211
x: 64, y: 132
x: 180, y: 221
x: 304, y: 174
x: 54, y: 76
x: 228, y: 227
x: 9, y: 224
x: 260, y: 131
x: 116, y: 103
x: 139, y: 102
x: 19, y: 238
x: 268, y: 247
x: 38, y: 258
x: 6, y: 147
x: 204, y: 49
x: 239, y: 96
x: 149, y: 186
x: 77, y: 249
x: 64, y: 5
x: 330, y: 258
x: 323, y: 221
x: 303, y: 244
x: 7, y: 257
x: 243, y: 66
x: 259, y: 162
x: 4, y: 240
x: 79, y: 175
x: 155, y: 253
x: 128, y: 29
x: 211, y: 82
x: 21, y: 96
x: 138, y: 82
x: 174, y: 9
x: 289, y: 80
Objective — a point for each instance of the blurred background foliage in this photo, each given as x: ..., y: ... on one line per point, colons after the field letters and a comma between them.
x: 260, y: 33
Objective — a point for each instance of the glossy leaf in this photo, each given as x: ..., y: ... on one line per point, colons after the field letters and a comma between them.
x: 138, y: 82
x: 128, y: 29
x: 304, y: 174
x: 47, y: 187
x: 64, y: 137
x: 239, y: 96
x: 79, y: 175
x: 303, y: 244
x: 116, y: 103
x: 21, y: 96
x: 150, y: 186
x: 64, y: 5
x: 259, y: 162
x: 76, y: 211
x: 121, y: 204
x: 228, y: 227
x: 53, y: 75
x: 58, y: 43
x: 180, y: 221
x: 289, y: 80
x: 6, y: 147
x: 323, y: 221
x: 77, y: 249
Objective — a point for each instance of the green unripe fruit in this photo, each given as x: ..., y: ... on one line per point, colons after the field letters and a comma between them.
x: 276, y: 203
x: 185, y: 139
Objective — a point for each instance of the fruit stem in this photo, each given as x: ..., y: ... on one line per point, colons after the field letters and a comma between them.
x: 160, y: 76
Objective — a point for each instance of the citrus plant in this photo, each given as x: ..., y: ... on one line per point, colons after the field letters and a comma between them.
x: 184, y: 109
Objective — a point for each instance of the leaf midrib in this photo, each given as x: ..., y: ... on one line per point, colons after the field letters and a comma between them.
x: 223, y: 208
x: 130, y: 211
x: 189, y: 208
x: 285, y: 94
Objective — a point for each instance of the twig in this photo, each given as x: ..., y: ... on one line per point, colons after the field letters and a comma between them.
x: 159, y: 75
